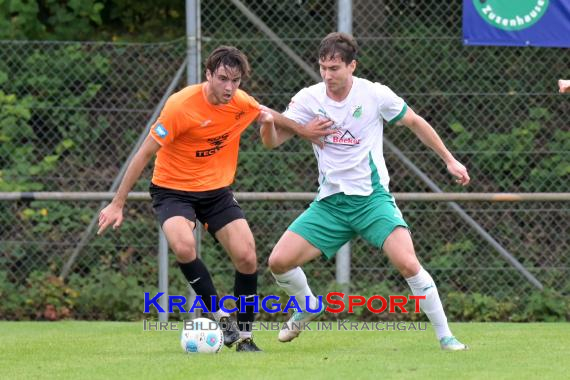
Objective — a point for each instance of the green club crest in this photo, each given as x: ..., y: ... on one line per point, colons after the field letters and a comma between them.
x: 357, y: 112
x: 511, y: 15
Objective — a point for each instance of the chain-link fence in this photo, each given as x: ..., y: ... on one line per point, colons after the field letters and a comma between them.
x: 72, y: 113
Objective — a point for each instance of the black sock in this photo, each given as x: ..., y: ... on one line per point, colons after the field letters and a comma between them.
x: 199, y: 278
x: 245, y: 285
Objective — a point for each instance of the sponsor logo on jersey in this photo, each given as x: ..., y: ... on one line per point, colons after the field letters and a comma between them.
x: 340, y: 138
x: 160, y: 131
x: 216, y: 143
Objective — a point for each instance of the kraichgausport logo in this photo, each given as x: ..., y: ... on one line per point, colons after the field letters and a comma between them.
x: 511, y: 15
x: 271, y: 304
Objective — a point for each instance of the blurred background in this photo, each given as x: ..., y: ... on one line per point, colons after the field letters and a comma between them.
x: 81, y: 81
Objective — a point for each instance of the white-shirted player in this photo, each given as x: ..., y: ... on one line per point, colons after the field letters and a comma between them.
x: 353, y: 197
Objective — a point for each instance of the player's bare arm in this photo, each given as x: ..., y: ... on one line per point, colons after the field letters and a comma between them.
x: 429, y: 137
x: 313, y: 131
x: 113, y: 213
x: 564, y: 86
x: 271, y: 136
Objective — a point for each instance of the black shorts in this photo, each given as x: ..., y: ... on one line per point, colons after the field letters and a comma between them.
x: 214, y: 208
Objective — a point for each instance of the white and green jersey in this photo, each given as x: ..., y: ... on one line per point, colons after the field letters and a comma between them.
x: 352, y: 161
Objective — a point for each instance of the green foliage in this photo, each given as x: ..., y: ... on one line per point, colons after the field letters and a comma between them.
x: 12, y: 301
x: 477, y: 307
x: 133, y: 20
x: 74, y: 20
x: 19, y: 20
x: 536, y: 306
x: 43, y: 297
x: 54, y: 221
x: 16, y: 153
x: 548, y: 306
x: 109, y: 295
x: 555, y: 165
x: 35, y: 140
x: 506, y: 159
x: 112, y: 290
x: 50, y: 19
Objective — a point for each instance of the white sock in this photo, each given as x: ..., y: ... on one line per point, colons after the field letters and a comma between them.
x: 245, y: 334
x: 219, y: 314
x: 422, y: 284
x: 295, y: 284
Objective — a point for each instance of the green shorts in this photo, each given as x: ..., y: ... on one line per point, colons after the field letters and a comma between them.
x: 329, y: 223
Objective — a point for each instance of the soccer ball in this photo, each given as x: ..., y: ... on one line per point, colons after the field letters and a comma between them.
x: 201, y: 335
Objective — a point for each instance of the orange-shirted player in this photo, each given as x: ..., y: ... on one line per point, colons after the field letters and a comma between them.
x: 196, y: 142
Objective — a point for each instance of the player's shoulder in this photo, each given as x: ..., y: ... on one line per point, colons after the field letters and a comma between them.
x: 191, y: 93
x: 366, y: 84
x: 363, y: 82
x: 241, y: 96
x: 313, y: 91
x: 244, y: 100
x: 188, y: 91
x: 377, y: 88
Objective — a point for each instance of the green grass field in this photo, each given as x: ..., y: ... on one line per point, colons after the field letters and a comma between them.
x: 116, y: 350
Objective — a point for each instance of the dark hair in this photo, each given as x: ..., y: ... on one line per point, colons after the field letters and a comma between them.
x: 338, y: 44
x: 228, y: 56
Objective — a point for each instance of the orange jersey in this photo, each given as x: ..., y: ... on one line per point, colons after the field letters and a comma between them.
x: 200, y: 141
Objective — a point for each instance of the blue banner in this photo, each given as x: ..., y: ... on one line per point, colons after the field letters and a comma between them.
x: 516, y: 22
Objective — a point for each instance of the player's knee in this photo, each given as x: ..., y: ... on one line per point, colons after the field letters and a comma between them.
x: 184, y: 250
x: 276, y: 263
x: 246, y: 264
x: 245, y: 259
x: 409, y: 268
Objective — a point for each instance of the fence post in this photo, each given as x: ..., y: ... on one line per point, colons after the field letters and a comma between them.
x: 344, y: 16
x: 343, y: 268
x: 343, y: 255
x: 193, y: 39
x: 163, y: 274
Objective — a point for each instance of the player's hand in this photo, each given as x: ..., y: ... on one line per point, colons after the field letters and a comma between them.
x: 112, y: 214
x: 316, y: 129
x: 459, y: 172
x: 265, y: 116
x: 563, y: 86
